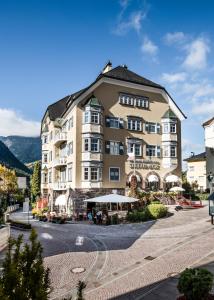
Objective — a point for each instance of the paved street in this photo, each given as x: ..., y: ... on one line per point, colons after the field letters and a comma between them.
x: 129, y: 261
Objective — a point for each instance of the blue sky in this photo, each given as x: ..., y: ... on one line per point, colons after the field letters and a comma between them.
x: 51, y: 48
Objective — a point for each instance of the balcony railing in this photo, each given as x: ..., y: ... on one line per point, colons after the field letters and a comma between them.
x: 60, y: 186
x: 60, y: 138
x: 60, y: 161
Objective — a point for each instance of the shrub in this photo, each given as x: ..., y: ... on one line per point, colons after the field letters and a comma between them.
x: 138, y: 216
x: 195, y: 284
x: 115, y: 219
x: 156, y: 211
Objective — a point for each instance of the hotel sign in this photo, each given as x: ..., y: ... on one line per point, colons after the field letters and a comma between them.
x: 145, y: 164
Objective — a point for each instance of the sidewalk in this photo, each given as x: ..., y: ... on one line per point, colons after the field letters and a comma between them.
x: 167, y: 289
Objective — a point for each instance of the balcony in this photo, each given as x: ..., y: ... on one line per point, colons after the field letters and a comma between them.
x: 60, y: 138
x: 59, y: 186
x: 60, y: 161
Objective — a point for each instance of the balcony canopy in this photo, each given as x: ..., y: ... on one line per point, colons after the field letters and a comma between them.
x: 112, y: 198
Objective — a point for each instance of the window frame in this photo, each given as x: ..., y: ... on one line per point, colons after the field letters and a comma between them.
x: 114, y: 180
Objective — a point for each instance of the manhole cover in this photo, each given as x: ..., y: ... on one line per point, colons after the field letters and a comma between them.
x: 78, y: 270
x: 149, y: 257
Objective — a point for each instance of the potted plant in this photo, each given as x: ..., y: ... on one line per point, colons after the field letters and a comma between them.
x: 195, y: 284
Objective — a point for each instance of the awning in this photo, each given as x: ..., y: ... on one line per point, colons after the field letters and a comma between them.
x: 61, y: 200
x: 137, y: 176
x: 153, y: 178
x: 112, y: 198
x: 172, y: 178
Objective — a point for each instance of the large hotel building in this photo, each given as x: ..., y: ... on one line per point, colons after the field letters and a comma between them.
x: 86, y: 138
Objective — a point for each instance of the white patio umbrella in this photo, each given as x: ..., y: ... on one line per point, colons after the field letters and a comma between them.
x: 112, y: 198
x: 177, y: 189
x: 172, y: 178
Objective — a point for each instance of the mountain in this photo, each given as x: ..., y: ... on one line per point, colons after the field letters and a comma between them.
x: 26, y: 149
x: 9, y: 160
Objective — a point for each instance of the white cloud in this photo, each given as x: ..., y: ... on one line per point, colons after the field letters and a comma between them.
x: 149, y: 47
x: 174, y: 37
x: 12, y: 123
x: 174, y: 77
x: 205, y: 108
x: 133, y: 23
x: 197, y: 52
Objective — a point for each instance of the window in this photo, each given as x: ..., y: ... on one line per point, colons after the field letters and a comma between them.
x: 87, y: 120
x: 70, y: 173
x: 70, y: 123
x: 45, y: 158
x: 114, y: 122
x: 86, y: 143
x: 94, y: 174
x: 45, y: 139
x: 169, y: 127
x: 132, y: 100
x: 94, y: 145
x: 172, y: 128
x: 86, y: 174
x: 169, y: 151
x: 152, y: 127
x: 114, y: 148
x: 50, y: 176
x: 153, y: 151
x: 114, y: 174
x: 45, y: 178
x: 137, y: 147
x: 70, y: 148
x: 134, y: 124
x: 94, y: 117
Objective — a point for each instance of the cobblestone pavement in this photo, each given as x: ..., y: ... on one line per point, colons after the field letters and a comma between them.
x: 127, y: 261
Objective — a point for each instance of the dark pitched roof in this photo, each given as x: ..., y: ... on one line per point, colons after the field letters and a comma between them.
x: 57, y: 109
x: 208, y: 122
x: 197, y: 157
x: 122, y: 73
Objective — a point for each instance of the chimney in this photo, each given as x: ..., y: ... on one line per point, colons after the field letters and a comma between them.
x: 107, y: 67
x: 125, y: 66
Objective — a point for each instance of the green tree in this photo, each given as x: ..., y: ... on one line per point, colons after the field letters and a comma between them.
x: 8, y: 186
x: 36, y: 180
x: 24, y: 276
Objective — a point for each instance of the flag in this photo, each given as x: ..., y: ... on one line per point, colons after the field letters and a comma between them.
x: 131, y: 155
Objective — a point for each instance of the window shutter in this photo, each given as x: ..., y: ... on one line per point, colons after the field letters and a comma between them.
x: 107, y: 122
x: 147, y: 150
x: 158, y: 151
x: 158, y: 127
x: 121, y: 149
x: 121, y: 123
x: 107, y: 147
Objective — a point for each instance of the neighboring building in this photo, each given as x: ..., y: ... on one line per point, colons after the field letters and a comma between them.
x: 209, y: 146
x: 196, y: 170
x: 86, y: 137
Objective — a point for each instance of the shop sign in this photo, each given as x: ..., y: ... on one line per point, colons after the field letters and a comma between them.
x: 145, y: 164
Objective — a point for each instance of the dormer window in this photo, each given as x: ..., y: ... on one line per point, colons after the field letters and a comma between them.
x: 93, y: 112
x: 133, y: 100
